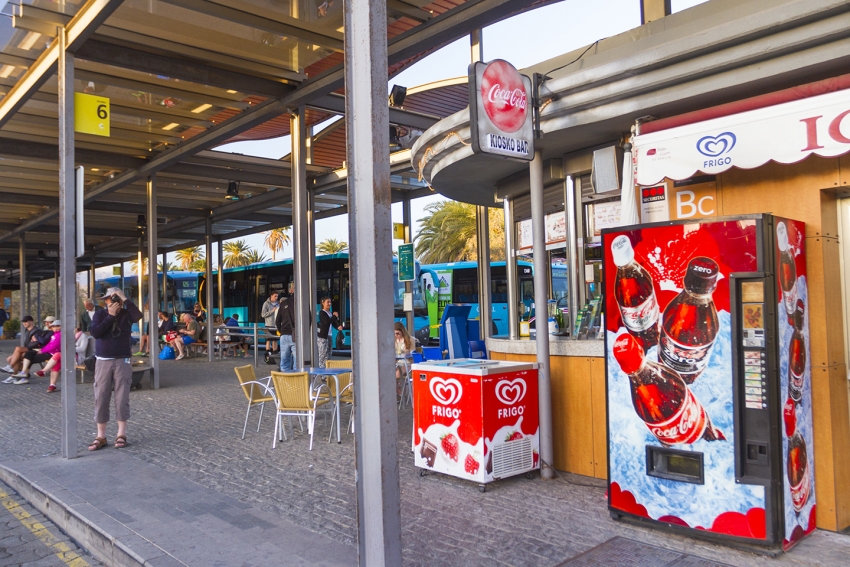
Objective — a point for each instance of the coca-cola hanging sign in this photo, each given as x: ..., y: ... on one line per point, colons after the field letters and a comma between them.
x: 500, y: 110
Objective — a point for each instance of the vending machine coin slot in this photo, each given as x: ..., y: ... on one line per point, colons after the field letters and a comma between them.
x: 672, y: 464
x: 757, y: 453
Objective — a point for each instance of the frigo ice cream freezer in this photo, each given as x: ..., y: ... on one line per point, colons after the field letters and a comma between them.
x: 476, y: 419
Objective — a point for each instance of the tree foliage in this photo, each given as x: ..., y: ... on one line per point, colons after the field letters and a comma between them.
x: 189, y: 257
x: 448, y: 233
x: 275, y: 239
x: 255, y: 256
x: 236, y: 253
x: 331, y: 246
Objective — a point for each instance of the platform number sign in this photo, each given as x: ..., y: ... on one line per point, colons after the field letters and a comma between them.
x: 91, y: 114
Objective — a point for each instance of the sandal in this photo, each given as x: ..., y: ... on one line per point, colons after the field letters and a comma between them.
x: 120, y: 442
x: 97, y: 444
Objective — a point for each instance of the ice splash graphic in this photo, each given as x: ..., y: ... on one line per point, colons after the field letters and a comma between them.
x: 696, y: 504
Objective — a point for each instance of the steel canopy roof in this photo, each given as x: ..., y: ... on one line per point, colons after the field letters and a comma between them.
x: 184, y: 76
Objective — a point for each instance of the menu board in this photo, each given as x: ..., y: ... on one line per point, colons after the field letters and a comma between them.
x: 524, y: 239
x: 556, y: 227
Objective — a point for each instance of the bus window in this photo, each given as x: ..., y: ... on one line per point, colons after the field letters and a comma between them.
x: 560, y: 288
x: 499, y: 291
x: 526, y: 287
x: 465, y: 286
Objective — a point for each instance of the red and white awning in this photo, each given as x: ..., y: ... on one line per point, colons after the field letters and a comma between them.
x: 785, y: 133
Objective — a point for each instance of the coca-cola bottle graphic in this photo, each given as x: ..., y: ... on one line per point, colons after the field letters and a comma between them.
x: 661, y: 399
x: 689, y: 326
x: 797, y: 469
x: 787, y: 269
x: 797, y: 354
x: 635, y: 294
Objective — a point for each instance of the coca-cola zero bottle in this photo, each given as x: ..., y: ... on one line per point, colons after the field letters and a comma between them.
x: 797, y: 468
x: 635, y: 294
x: 797, y: 354
x: 787, y: 269
x: 689, y: 326
x: 661, y: 399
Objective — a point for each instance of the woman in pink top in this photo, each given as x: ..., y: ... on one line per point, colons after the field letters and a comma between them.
x: 31, y: 357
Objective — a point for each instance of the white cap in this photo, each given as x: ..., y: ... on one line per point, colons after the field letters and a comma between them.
x: 782, y: 237
x: 621, y: 249
x: 110, y: 292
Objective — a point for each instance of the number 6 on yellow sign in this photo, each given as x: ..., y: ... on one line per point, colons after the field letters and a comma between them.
x: 91, y: 114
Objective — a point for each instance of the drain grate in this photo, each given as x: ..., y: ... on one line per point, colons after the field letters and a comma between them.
x: 622, y: 552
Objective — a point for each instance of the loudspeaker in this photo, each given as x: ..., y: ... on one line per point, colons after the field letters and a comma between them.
x: 606, y: 174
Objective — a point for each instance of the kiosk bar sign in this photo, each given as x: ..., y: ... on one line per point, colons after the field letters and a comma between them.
x: 500, y: 110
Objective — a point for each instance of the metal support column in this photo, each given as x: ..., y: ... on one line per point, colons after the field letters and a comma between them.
x: 573, y: 268
x: 153, y: 284
x: 164, y: 305
x: 29, y: 297
x: 311, y: 276
x: 370, y: 237
x: 510, y: 271
x: 67, y: 244
x: 408, y: 238
x: 38, y: 300
x: 220, y: 279
x: 140, y: 275
x: 56, y: 290
x: 209, y: 287
x: 578, y: 270
x: 121, y: 278
x: 91, y: 278
x: 541, y: 287
x: 301, y: 238
x: 22, y: 279
x: 485, y: 308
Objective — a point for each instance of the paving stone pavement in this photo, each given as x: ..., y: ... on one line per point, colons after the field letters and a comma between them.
x: 192, y: 427
x: 28, y: 539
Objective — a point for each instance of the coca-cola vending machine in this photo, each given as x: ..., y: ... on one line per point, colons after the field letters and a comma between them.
x: 476, y: 419
x: 709, y: 378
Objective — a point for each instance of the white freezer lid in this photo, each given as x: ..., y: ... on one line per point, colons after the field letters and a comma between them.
x: 474, y: 366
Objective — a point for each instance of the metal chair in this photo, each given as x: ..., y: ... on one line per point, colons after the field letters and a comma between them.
x: 256, y: 392
x: 346, y: 387
x: 294, y: 397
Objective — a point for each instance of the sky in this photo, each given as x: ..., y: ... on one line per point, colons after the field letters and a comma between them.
x: 523, y: 40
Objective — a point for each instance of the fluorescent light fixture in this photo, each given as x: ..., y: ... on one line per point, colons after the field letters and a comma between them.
x: 29, y: 40
x: 171, y: 126
x: 5, y: 71
x: 231, y: 92
x: 202, y: 108
x: 95, y: 169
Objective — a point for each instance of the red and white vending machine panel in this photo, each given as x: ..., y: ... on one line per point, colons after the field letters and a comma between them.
x: 476, y: 419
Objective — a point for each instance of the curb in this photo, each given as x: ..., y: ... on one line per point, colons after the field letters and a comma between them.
x: 96, y: 540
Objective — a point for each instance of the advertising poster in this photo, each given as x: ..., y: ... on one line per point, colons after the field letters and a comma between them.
x: 606, y: 215
x: 795, y: 379
x: 430, y: 291
x: 444, y: 292
x: 670, y: 375
x: 556, y: 228
x: 523, y: 235
x: 653, y: 204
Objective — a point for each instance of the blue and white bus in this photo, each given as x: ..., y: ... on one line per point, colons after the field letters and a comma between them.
x: 246, y: 288
x: 457, y: 282
x: 181, y: 293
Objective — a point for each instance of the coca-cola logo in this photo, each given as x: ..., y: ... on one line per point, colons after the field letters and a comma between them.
x: 510, y: 392
x: 447, y: 391
x: 504, y: 96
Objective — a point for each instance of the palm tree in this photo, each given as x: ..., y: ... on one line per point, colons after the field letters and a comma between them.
x: 256, y: 257
x: 448, y: 233
x: 275, y: 239
x: 189, y: 256
x: 134, y: 266
x: 331, y: 246
x: 171, y: 267
x: 236, y: 253
x: 199, y: 265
